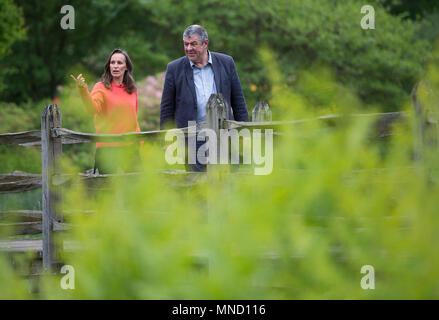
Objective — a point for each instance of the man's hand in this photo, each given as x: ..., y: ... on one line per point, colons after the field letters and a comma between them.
x: 80, y: 81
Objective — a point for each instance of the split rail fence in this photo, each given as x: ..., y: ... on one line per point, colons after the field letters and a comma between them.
x: 53, y: 136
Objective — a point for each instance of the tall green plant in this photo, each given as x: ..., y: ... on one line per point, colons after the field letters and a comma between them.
x: 332, y: 205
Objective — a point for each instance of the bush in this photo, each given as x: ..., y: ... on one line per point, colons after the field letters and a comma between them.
x: 333, y: 204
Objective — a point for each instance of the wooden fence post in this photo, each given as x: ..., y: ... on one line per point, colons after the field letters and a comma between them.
x: 216, y: 114
x: 419, y: 124
x: 51, y: 152
x: 261, y: 112
x: 426, y: 131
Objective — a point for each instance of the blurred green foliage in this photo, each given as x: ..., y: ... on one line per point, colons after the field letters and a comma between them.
x: 333, y: 204
x: 13, y: 287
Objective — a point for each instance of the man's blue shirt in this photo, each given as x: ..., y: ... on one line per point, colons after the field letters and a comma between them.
x: 204, y: 86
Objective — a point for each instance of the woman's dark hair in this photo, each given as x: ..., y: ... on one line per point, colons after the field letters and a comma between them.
x: 128, y: 79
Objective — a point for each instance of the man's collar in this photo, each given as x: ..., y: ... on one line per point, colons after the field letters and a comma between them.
x: 210, y: 57
x: 209, y: 60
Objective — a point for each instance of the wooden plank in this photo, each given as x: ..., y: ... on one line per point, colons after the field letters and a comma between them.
x: 57, y: 166
x: 33, y: 245
x: 21, y: 215
x: 31, y: 227
x: 125, y: 137
x: 213, y: 114
x: 47, y: 160
x: 36, y: 215
x: 21, y: 245
x: 232, y: 124
x: 99, y: 181
x: 418, y: 134
x: 33, y: 138
x: 383, y: 122
x: 216, y: 112
x: 216, y: 115
x: 64, y: 141
x: 21, y: 228
x: 51, y: 152
x: 19, y: 181
x: 20, y: 138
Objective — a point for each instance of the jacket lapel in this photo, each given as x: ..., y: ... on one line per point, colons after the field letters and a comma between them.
x: 190, y: 79
x: 216, y: 72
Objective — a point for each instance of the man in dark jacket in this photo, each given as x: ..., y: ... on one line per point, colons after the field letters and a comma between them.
x: 190, y: 80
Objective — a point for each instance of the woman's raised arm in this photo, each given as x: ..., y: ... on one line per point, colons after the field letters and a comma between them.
x: 93, y: 102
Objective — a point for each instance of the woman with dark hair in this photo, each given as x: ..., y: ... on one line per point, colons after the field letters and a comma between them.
x: 113, y: 101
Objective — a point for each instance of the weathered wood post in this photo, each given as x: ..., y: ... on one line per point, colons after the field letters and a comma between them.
x: 426, y: 131
x: 419, y: 124
x: 261, y: 112
x: 51, y: 152
x: 216, y: 114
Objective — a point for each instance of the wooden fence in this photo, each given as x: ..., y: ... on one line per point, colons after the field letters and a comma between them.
x: 53, y: 136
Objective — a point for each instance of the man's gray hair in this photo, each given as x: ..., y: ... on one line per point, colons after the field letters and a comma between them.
x: 197, y: 30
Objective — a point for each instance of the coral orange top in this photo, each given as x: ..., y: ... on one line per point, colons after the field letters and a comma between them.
x: 115, y: 110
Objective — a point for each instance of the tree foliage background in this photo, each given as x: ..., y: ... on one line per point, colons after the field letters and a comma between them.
x: 381, y: 64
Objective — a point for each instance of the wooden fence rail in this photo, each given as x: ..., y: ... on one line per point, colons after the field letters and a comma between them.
x: 25, y: 138
x: 18, y: 181
x: 52, y: 136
